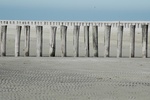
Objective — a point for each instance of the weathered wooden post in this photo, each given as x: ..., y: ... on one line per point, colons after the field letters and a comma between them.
x: 39, y: 33
x: 95, y: 40
x: 132, y: 41
x: 63, y: 40
x: 144, y: 41
x: 52, y: 41
x: 27, y: 40
x: 17, y: 41
x: 3, y: 40
x: 119, y: 41
x: 86, y: 41
x: 107, y: 34
x: 76, y: 40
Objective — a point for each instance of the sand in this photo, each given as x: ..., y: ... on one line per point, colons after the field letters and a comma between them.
x: 74, y: 78
x: 70, y: 78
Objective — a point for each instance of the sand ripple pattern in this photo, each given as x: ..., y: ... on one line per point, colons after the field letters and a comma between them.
x: 74, y: 79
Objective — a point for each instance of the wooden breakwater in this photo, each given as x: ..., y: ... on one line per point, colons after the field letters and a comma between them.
x: 120, y: 25
x: 126, y: 24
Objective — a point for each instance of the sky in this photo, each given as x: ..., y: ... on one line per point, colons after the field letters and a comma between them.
x: 75, y: 10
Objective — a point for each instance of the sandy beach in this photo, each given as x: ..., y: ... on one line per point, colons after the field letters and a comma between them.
x: 74, y: 78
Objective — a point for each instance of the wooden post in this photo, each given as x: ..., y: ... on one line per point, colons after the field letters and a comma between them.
x: 63, y: 41
x: 27, y: 40
x: 17, y: 41
x: 144, y: 41
x: 3, y: 40
x: 119, y: 41
x: 132, y: 41
x: 86, y: 41
x: 39, y: 32
x: 107, y: 34
x: 95, y: 40
x: 52, y: 41
x: 76, y: 40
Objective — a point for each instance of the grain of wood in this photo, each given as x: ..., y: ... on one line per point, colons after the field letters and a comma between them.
x: 107, y: 33
x: 119, y: 41
x: 52, y: 41
x: 63, y: 41
x: 3, y: 40
x: 39, y: 33
x: 144, y: 41
x: 95, y: 40
x: 86, y: 41
x: 27, y: 40
x: 132, y: 41
x: 17, y: 41
x: 76, y: 32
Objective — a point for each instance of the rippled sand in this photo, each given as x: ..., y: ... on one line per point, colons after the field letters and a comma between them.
x: 74, y: 78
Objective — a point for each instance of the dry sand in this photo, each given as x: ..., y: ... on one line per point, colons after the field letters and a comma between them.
x: 74, y: 78
x: 69, y: 78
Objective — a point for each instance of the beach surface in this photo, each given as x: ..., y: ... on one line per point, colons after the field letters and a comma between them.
x: 74, y: 78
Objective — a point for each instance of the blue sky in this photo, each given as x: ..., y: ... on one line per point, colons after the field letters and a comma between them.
x: 86, y: 10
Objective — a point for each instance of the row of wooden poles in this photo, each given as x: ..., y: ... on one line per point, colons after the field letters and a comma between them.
x: 73, y: 23
x: 76, y: 30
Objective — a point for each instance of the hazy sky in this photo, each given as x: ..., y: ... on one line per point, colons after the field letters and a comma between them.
x: 75, y: 9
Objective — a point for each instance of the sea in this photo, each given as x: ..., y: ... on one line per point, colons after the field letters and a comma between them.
x: 15, y: 13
